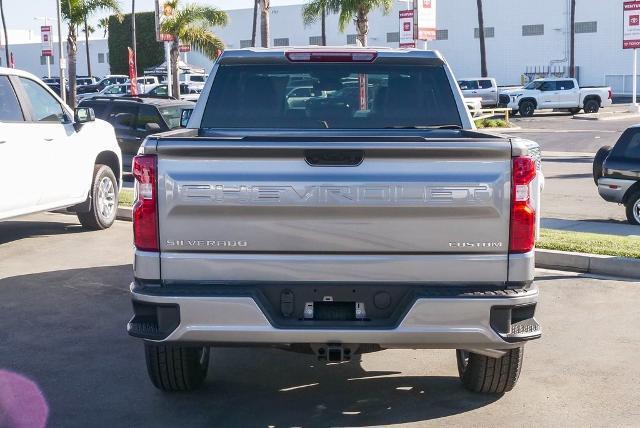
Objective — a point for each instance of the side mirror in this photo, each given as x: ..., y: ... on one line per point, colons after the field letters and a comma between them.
x: 83, y: 115
x: 185, y: 116
x: 152, y: 127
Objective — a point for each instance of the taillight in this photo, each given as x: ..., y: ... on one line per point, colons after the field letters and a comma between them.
x: 145, y: 212
x: 325, y: 56
x: 523, y: 216
x: 610, y: 94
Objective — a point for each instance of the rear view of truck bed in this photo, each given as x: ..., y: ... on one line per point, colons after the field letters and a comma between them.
x: 344, y: 228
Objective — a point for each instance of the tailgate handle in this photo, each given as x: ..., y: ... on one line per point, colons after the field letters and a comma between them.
x: 334, y: 157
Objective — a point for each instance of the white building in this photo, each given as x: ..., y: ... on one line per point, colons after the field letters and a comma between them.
x: 522, y: 36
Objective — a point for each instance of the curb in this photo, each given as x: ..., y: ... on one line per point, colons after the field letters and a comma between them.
x: 124, y: 213
x: 589, y: 263
x: 552, y: 259
x: 606, y: 117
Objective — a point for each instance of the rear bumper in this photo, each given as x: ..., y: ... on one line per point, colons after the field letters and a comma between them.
x: 486, y: 320
x: 614, y: 189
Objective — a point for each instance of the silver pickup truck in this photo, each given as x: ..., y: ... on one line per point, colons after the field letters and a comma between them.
x: 373, y: 216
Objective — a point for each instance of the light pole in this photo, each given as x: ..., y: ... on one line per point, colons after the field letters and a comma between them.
x: 133, y: 35
x: 61, y: 62
x: 45, y: 18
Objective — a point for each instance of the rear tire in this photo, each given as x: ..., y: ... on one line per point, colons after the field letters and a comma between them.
x: 633, y: 208
x: 486, y: 375
x: 591, y: 106
x: 527, y: 108
x: 104, y: 200
x: 514, y: 112
x: 598, y: 162
x: 176, y: 368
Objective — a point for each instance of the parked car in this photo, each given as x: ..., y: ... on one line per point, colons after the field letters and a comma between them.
x: 338, y: 231
x: 135, y: 118
x: 194, y: 81
x: 616, y: 171
x: 556, y: 93
x: 103, y: 83
x: 481, y: 87
x: 162, y: 91
x: 52, y: 157
x: 297, y: 97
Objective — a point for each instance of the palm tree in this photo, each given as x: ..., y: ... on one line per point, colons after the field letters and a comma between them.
x: 75, y: 13
x: 318, y: 9
x: 103, y: 24
x: 483, y: 50
x: 265, y: 5
x: 255, y: 23
x: 88, y: 29
x: 6, y: 38
x: 356, y: 11
x: 190, y: 25
x: 572, y: 58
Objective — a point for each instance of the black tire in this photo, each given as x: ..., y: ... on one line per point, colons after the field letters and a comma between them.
x: 489, y: 375
x: 176, y: 368
x: 633, y: 208
x: 514, y: 112
x: 574, y: 110
x: 99, y: 216
x: 527, y: 108
x: 598, y: 162
x: 591, y: 106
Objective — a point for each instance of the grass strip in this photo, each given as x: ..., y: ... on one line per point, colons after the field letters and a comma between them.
x: 579, y: 242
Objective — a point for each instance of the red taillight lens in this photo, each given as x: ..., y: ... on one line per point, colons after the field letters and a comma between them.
x: 610, y: 94
x: 523, y: 217
x: 145, y: 213
x: 325, y: 56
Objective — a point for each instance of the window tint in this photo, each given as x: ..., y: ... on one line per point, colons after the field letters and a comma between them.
x: 173, y: 114
x: 10, y: 110
x: 565, y: 85
x: 123, y: 116
x: 628, y: 147
x: 160, y: 91
x: 44, y: 106
x: 467, y: 85
x: 99, y: 108
x: 147, y: 114
x: 485, y: 84
x: 348, y: 96
x: 548, y: 86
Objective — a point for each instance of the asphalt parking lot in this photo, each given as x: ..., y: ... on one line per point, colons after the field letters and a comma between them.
x: 64, y: 305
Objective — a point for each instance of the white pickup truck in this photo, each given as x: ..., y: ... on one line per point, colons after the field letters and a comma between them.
x: 555, y: 93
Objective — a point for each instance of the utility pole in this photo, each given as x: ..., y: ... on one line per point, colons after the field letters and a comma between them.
x: 61, y: 61
x: 133, y: 35
x: 6, y: 38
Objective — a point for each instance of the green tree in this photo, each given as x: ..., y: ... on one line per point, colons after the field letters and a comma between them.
x: 190, y: 25
x: 75, y: 12
x: 318, y: 9
x: 483, y: 50
x: 150, y: 51
x: 356, y: 11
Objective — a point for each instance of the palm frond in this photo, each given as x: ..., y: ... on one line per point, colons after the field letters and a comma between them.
x: 202, y: 40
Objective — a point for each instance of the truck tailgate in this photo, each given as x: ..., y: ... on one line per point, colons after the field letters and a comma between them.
x: 340, y: 209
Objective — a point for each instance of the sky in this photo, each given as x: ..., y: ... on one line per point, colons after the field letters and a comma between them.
x: 19, y: 19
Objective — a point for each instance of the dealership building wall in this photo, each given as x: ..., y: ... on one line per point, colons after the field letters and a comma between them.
x: 524, y: 38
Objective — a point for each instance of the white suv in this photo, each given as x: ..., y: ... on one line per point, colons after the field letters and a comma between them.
x: 52, y: 157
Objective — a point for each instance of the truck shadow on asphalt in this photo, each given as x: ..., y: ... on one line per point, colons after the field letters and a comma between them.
x: 66, y: 331
x: 15, y: 230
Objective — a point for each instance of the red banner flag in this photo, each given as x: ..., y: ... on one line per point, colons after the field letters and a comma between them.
x: 132, y: 73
